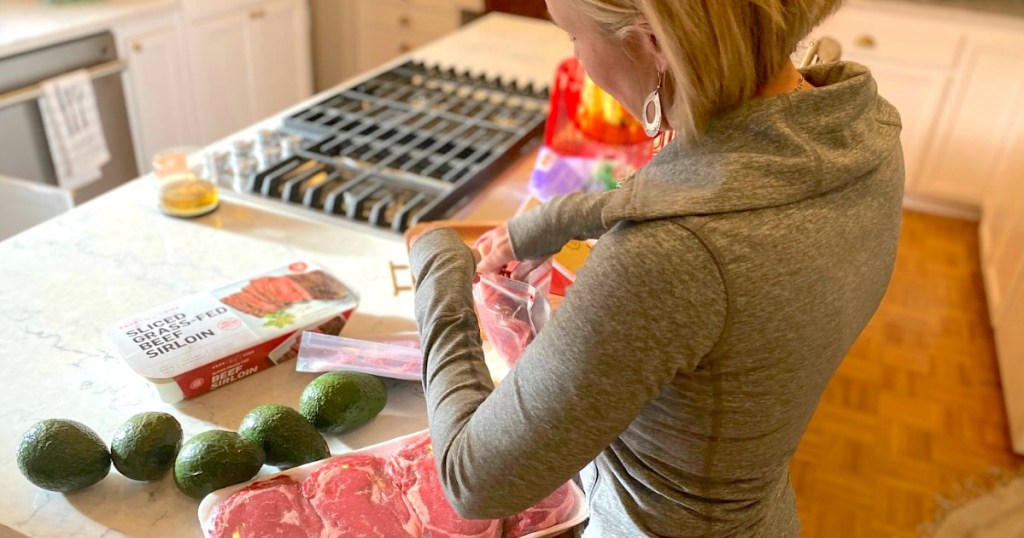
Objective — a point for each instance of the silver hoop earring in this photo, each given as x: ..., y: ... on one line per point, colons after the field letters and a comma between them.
x: 652, y: 126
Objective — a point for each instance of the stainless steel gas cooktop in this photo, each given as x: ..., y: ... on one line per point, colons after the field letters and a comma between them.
x: 409, y: 145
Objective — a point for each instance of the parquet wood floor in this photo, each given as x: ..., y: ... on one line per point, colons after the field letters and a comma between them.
x: 916, y: 408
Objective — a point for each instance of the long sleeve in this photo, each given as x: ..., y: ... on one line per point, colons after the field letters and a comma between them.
x: 618, y: 337
x: 543, y: 231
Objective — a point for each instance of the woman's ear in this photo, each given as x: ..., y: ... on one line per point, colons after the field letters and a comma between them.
x: 649, y: 42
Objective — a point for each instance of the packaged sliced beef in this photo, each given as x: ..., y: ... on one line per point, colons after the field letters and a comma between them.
x: 414, y: 470
x: 355, y: 498
x: 207, y: 340
x: 386, y: 490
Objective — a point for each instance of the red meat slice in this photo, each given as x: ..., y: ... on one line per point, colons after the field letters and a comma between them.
x: 288, y: 290
x: 551, y: 511
x: 260, y: 287
x: 415, y: 472
x: 507, y: 334
x: 239, y: 302
x: 257, y: 302
x: 273, y: 507
x: 356, y: 499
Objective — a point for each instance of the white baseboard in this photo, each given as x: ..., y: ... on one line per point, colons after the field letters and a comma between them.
x: 916, y: 202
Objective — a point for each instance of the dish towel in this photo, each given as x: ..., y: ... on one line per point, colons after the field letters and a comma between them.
x: 73, y: 129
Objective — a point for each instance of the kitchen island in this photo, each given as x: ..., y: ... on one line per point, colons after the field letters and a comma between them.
x: 62, y: 283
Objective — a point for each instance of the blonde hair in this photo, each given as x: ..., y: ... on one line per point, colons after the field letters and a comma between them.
x: 719, y: 52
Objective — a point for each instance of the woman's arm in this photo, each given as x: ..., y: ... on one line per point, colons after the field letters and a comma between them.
x: 542, y: 232
x: 630, y: 323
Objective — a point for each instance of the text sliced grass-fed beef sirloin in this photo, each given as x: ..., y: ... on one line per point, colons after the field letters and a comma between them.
x: 206, y: 340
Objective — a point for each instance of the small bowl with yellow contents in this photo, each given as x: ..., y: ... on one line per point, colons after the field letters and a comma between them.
x: 183, y: 186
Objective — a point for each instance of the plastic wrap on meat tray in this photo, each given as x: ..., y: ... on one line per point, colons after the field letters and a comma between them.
x: 326, y: 353
x: 387, y: 490
x: 511, y: 313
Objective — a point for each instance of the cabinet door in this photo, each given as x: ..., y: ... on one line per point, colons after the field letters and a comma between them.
x: 1002, y: 224
x: 918, y: 94
x: 159, y: 91
x: 972, y: 136
x: 281, y: 52
x: 221, y: 54
x: 1010, y: 351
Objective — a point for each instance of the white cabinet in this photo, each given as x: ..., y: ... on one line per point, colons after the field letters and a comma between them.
x: 281, y: 48
x: 157, y: 86
x: 222, y: 57
x: 249, y: 63
x: 956, y: 77
x: 1001, y: 232
x: 911, y: 63
x: 390, y: 28
x: 918, y: 94
x: 1010, y: 350
x: 979, y: 117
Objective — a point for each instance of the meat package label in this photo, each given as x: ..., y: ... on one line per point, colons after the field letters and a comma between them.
x: 262, y: 313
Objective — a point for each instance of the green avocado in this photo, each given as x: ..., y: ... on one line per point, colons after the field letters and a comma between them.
x: 144, y: 446
x: 285, y: 435
x: 62, y: 455
x: 339, y: 402
x: 215, y: 459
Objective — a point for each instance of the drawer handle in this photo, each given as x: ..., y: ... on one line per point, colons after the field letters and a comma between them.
x: 405, y: 47
x: 137, y: 47
x: 257, y: 14
x: 404, y: 21
x: 866, y: 42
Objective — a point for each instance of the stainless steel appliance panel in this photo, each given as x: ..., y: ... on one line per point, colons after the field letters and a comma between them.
x: 24, y: 151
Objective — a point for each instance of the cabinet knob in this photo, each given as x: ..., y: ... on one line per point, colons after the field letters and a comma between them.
x: 404, y: 21
x: 137, y: 47
x: 866, y: 42
x: 257, y: 14
x: 405, y: 47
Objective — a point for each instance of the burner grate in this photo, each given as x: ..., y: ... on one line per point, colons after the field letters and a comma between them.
x: 406, y: 146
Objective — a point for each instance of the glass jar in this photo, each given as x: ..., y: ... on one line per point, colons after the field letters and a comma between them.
x: 184, y: 190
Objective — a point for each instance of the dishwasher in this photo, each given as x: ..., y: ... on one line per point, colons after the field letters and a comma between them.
x: 24, y: 150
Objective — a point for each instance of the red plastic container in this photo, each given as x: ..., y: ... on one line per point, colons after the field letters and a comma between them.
x: 579, y: 129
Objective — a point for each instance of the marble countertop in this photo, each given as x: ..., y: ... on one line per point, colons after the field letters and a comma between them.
x: 26, y: 24
x: 63, y: 282
x: 997, y: 7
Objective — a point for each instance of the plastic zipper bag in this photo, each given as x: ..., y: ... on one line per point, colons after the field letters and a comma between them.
x: 512, y: 313
x: 326, y: 353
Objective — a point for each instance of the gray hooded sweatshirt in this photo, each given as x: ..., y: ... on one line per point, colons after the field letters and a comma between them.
x: 680, y: 372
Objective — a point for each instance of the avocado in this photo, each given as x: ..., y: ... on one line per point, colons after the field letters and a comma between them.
x: 144, y: 446
x: 62, y: 455
x: 215, y: 459
x: 338, y: 402
x: 285, y: 435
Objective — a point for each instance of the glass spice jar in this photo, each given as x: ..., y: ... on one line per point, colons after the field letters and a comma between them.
x: 184, y: 190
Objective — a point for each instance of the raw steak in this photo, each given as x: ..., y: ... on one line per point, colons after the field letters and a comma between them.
x: 273, y: 507
x: 415, y: 472
x: 357, y: 500
x: 551, y: 511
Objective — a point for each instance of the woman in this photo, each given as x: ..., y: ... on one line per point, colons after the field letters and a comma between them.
x: 732, y: 275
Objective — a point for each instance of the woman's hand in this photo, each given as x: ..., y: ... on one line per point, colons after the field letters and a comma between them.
x: 495, y: 254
